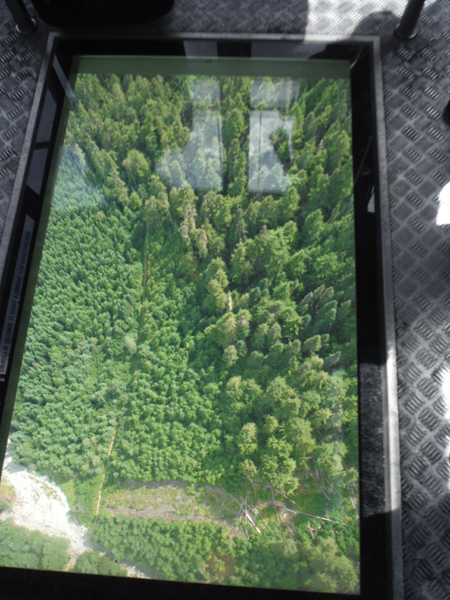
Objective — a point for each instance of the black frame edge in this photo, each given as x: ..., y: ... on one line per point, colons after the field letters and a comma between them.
x: 390, y: 409
x: 12, y: 221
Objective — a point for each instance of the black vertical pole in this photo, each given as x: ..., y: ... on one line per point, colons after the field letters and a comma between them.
x: 446, y: 115
x: 405, y: 30
x: 24, y: 23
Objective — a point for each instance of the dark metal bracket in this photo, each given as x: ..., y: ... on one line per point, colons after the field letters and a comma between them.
x: 406, y: 29
x: 24, y: 23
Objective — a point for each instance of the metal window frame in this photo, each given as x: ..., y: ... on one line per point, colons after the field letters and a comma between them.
x: 391, y: 458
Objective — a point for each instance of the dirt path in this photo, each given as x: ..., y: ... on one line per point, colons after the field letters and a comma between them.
x: 144, y: 283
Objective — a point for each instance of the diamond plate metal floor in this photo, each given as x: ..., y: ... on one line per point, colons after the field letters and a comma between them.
x: 416, y: 89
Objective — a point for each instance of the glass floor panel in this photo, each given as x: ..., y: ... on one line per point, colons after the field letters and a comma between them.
x: 184, y: 398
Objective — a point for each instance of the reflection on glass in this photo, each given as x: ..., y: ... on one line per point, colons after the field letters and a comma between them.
x: 188, y: 388
x: 265, y: 168
x: 270, y: 149
x: 274, y: 93
x: 200, y: 162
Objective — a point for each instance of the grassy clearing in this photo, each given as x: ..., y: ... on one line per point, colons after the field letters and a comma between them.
x: 69, y: 490
x: 174, y: 500
x: 307, y: 509
x: 7, y: 496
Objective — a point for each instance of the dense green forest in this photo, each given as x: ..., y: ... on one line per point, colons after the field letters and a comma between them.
x: 31, y: 549
x: 96, y: 563
x: 26, y: 549
x: 190, y: 326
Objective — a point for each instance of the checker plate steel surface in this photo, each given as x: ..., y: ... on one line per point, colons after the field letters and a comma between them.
x: 416, y: 78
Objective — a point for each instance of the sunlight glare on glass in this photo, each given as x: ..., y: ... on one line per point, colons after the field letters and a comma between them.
x: 200, y: 162
x: 269, y: 94
x: 445, y: 391
x: 267, y: 127
x: 443, y: 215
x: 266, y: 172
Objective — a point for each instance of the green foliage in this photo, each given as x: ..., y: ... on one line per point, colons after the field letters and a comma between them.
x: 207, y: 553
x: 98, y: 564
x: 31, y: 549
x: 186, y: 328
x: 176, y: 550
x: 7, y: 496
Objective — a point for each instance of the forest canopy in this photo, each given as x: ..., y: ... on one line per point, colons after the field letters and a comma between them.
x: 194, y: 321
